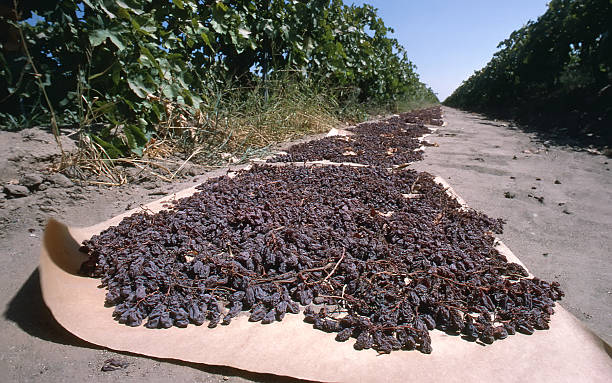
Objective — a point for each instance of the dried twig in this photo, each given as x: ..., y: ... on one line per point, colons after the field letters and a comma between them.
x: 335, y: 266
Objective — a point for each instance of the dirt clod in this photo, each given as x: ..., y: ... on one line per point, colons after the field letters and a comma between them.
x: 113, y: 364
x: 16, y: 191
x: 60, y: 180
x: 31, y: 180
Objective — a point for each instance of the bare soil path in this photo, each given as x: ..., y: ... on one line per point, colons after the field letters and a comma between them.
x: 569, y: 243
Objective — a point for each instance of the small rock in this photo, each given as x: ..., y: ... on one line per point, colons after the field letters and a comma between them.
x: 509, y: 195
x: 189, y: 170
x: 16, y: 191
x: 31, y: 180
x: 43, y: 186
x: 60, y: 180
x: 113, y: 364
x: 557, y: 182
x: 150, y: 185
x: 539, y: 199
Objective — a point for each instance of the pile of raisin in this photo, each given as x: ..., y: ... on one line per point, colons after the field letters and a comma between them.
x: 376, y: 255
x: 429, y: 116
x: 387, y: 143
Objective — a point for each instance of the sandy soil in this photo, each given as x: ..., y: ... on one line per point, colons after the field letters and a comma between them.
x: 569, y: 243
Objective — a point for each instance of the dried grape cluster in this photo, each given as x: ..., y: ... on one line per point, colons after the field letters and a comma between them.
x: 378, y: 255
x: 387, y: 143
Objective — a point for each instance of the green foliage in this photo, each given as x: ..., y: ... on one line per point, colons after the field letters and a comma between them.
x: 559, y: 65
x: 122, y: 62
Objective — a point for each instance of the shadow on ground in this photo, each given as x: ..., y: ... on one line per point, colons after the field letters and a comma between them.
x: 563, y: 136
x: 28, y: 311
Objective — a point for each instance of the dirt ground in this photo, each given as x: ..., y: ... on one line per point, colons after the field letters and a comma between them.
x: 556, y: 201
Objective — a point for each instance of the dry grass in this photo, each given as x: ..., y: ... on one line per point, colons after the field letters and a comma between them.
x: 231, y: 126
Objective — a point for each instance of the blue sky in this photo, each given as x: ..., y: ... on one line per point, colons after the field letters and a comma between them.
x: 449, y: 39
